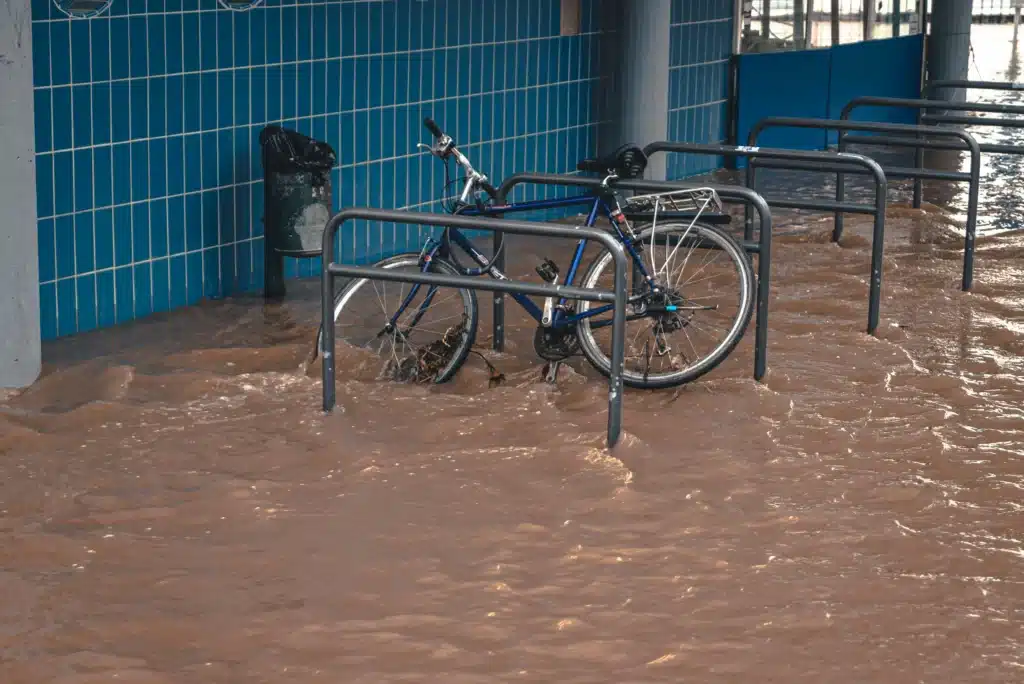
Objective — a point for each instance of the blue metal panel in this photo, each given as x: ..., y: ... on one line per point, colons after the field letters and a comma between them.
x: 784, y: 84
x: 884, y: 68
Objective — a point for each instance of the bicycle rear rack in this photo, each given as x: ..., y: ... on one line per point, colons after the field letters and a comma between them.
x: 688, y: 200
x: 618, y: 297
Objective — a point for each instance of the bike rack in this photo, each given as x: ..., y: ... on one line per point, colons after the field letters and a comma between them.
x: 618, y: 297
x: 809, y: 160
x: 732, y: 194
x: 843, y: 126
x: 972, y: 85
x: 924, y: 104
x: 794, y: 160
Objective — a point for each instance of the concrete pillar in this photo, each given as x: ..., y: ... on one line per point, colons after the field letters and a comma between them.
x: 644, y: 75
x: 20, y: 357
x: 949, y: 45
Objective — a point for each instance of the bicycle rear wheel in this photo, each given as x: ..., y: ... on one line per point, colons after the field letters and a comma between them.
x: 678, y: 336
x: 433, y: 332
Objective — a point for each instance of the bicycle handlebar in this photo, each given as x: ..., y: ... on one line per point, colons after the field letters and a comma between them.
x: 434, y: 129
x: 443, y: 148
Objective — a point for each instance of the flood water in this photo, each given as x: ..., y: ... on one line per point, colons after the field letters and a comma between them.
x: 174, y: 507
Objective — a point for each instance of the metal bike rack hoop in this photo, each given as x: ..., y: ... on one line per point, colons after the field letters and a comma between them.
x: 971, y: 85
x: 843, y: 126
x: 923, y: 105
x: 729, y: 193
x: 618, y: 297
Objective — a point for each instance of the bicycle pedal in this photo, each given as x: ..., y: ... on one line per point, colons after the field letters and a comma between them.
x: 551, y: 372
x: 548, y: 271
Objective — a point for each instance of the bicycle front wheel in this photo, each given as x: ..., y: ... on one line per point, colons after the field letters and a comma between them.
x: 704, y: 308
x: 419, y: 333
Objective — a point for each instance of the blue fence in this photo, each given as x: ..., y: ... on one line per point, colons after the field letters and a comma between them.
x: 818, y: 83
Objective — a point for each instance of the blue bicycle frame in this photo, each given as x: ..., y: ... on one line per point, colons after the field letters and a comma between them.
x: 597, y: 204
x: 560, y: 318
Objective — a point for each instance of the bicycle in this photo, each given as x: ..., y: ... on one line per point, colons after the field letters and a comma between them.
x: 657, y: 299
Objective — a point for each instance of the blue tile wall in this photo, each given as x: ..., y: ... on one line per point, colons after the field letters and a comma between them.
x: 700, y: 48
x: 147, y: 119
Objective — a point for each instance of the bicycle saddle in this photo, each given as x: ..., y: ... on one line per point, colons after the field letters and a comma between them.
x: 628, y: 161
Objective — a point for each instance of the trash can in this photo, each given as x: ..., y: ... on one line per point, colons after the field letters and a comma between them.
x: 298, y: 197
x: 297, y: 200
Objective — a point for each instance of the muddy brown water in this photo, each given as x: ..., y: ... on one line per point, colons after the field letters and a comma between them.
x: 175, y: 508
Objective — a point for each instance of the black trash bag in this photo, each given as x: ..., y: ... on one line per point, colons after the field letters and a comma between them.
x: 285, y: 150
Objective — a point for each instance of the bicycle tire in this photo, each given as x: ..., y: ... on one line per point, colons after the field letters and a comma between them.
x: 413, y: 258
x: 737, y: 254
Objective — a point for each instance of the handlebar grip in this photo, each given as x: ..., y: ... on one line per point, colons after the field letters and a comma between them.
x: 432, y: 126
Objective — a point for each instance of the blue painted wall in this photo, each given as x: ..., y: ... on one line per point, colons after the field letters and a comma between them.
x: 819, y: 83
x: 700, y: 48
x: 783, y: 84
x: 884, y: 68
x: 149, y: 179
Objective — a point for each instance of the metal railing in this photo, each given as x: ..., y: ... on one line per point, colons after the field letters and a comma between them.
x: 808, y: 160
x: 618, y: 297
x: 923, y: 105
x: 727, y: 193
x: 844, y: 126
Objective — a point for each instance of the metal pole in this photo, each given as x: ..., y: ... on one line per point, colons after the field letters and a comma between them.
x: 835, y: 22
x: 922, y: 9
x: 877, y: 243
x: 799, y: 40
x: 498, y: 343
x: 327, y: 322
x: 868, y: 19
x: 972, y: 218
x: 766, y: 19
x: 618, y: 349
x: 764, y: 267
x: 1016, y: 22
x: 837, y: 222
x: 895, y: 18
x: 809, y: 28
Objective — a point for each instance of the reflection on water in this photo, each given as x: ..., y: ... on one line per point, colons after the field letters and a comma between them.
x: 174, y: 507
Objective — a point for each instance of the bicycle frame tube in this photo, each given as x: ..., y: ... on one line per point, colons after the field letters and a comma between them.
x: 536, y: 205
x: 597, y: 204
